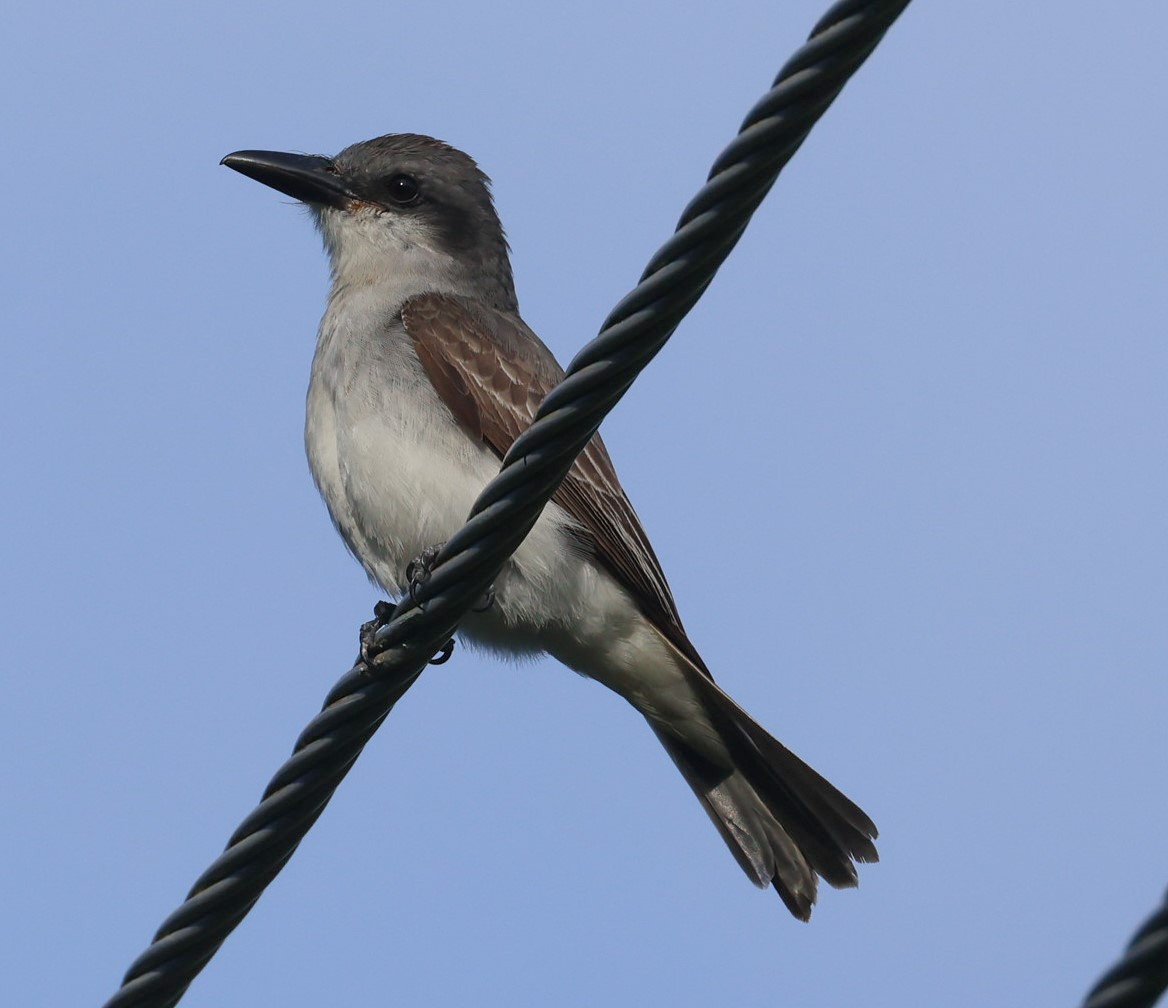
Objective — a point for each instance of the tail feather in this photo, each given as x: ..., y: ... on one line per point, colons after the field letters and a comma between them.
x: 843, y: 818
x: 763, y: 849
x: 784, y: 823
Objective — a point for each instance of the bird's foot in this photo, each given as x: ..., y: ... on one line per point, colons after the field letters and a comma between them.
x: 418, y: 570
x: 418, y: 573
x: 371, y: 648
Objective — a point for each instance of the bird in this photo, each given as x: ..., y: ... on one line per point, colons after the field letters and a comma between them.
x: 424, y: 373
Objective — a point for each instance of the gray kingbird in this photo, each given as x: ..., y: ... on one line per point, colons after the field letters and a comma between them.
x: 424, y: 374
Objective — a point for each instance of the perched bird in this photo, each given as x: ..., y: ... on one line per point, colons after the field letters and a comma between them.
x: 424, y: 374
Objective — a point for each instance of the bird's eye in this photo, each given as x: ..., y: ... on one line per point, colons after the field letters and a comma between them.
x: 403, y: 189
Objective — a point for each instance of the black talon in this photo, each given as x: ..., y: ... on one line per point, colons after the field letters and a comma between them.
x: 443, y: 656
x: 368, y: 636
x: 418, y: 570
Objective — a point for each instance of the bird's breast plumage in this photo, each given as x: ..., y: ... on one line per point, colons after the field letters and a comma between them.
x: 399, y: 474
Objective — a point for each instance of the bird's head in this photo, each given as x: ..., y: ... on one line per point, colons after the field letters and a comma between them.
x: 398, y: 204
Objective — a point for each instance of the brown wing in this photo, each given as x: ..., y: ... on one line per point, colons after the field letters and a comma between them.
x: 492, y: 372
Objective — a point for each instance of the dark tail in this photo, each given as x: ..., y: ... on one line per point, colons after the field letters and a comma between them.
x: 783, y: 822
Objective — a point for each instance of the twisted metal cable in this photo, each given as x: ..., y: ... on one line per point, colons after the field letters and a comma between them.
x: 1141, y: 976
x: 507, y: 509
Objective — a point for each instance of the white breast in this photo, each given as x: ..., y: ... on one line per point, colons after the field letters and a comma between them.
x: 399, y: 475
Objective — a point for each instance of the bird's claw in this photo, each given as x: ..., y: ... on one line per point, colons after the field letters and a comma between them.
x: 369, y: 646
x: 417, y: 574
x: 418, y: 570
x: 443, y: 656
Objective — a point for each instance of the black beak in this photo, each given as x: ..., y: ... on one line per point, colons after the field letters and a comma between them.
x: 306, y: 177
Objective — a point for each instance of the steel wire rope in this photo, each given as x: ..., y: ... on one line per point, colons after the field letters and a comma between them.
x: 1141, y: 976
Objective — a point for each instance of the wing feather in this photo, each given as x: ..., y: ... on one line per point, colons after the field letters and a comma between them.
x: 492, y: 372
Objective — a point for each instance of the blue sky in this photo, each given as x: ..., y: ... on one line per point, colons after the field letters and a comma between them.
x: 904, y: 466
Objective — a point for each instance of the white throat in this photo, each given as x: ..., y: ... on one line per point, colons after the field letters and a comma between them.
x: 397, y: 255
